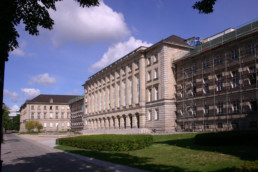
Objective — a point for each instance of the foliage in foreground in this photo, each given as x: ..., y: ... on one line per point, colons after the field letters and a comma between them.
x: 227, y: 138
x: 108, y: 142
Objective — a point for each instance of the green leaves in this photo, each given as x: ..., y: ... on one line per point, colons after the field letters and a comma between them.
x: 204, y: 6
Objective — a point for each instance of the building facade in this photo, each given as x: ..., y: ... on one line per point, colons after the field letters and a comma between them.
x: 217, y: 83
x: 52, y: 111
x: 77, y: 113
x: 152, y: 88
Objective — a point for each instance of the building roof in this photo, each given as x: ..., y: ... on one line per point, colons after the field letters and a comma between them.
x: 176, y: 40
x: 44, y: 98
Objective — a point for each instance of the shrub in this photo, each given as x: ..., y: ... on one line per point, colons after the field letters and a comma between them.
x: 227, y: 138
x: 108, y: 142
x: 31, y: 125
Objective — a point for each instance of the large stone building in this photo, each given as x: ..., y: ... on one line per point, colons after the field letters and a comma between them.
x: 151, y: 89
x: 52, y: 111
x: 77, y: 113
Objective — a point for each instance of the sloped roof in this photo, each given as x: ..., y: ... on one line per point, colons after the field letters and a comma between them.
x: 44, y: 98
x: 176, y: 40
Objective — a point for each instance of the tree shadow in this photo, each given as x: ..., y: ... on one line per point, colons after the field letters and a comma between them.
x: 126, y: 159
x: 244, y: 152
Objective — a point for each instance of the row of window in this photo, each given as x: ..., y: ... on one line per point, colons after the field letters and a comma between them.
x: 50, y: 107
x: 45, y: 124
x: 219, y: 81
x: 156, y: 75
x: 156, y: 94
x: 234, y: 54
x: 155, y: 59
x: 220, y: 107
x: 154, y: 112
x: 33, y: 116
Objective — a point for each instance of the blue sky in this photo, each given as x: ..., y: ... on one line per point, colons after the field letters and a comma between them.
x: 84, y: 40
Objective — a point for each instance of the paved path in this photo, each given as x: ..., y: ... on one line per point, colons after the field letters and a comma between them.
x: 20, y: 155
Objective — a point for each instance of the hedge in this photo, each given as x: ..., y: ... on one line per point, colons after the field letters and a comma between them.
x: 108, y: 142
x: 227, y: 138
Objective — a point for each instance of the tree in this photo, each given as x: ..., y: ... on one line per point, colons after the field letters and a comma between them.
x: 39, y: 126
x: 30, y: 125
x: 16, y: 123
x: 33, y: 13
x: 204, y: 6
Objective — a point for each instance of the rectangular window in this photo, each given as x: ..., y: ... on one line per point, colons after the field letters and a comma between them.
x: 62, y: 124
x: 155, y: 59
x: 38, y: 115
x: 234, y: 54
x: 45, y: 107
x: 156, y: 114
x: 218, y: 59
x: 220, y: 108
x: 45, y: 115
x: 51, y: 115
x: 156, y: 73
x: 38, y: 107
x: 205, y: 64
x: 206, y: 109
x: 45, y: 124
x: 235, y: 79
x: 68, y: 115
x: 235, y: 106
x: 68, y: 108
x: 219, y: 83
x: 56, y: 124
x: 124, y: 82
x: 56, y: 115
x: 149, y: 76
x: 251, y: 48
x: 148, y: 61
x: 137, y: 65
x: 68, y: 124
x: 32, y: 107
x: 138, y: 89
x: 56, y: 107
x: 252, y: 75
x: 62, y: 115
x: 206, y: 85
x: 104, y: 97
x: 119, y: 95
x: 51, y: 124
x: 149, y: 95
x: 131, y: 91
x: 100, y: 101
x: 50, y: 107
x: 32, y: 115
x: 220, y: 125
x: 149, y: 115
x: 62, y: 107
x: 156, y: 93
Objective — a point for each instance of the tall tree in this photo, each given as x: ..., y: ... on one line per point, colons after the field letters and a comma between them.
x: 204, y: 6
x: 33, y: 14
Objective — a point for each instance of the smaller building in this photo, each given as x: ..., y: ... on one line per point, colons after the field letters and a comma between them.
x: 52, y: 111
x: 77, y: 118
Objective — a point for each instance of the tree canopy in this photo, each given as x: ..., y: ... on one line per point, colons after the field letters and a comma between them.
x: 204, y: 6
x: 33, y: 13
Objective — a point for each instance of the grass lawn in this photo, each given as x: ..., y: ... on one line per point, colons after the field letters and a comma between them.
x: 177, y: 152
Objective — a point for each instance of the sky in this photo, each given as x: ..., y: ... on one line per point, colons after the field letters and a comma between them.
x: 85, y: 40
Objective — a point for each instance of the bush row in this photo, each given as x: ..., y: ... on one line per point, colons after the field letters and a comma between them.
x: 227, y: 138
x: 108, y: 142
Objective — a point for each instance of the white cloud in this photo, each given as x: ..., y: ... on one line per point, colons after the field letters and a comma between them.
x: 13, y: 96
x: 20, y: 50
x: 30, y: 92
x: 74, y: 23
x: 13, y: 110
x: 74, y: 92
x: 117, y: 51
x: 42, y: 79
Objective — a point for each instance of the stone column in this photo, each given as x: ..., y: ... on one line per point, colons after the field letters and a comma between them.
x: 111, y: 123
x: 134, y: 121
x: 128, y: 123
x: 142, y: 120
x: 142, y: 80
x: 116, y: 123
x: 122, y: 123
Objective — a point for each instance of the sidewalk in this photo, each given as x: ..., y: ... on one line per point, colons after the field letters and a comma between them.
x: 21, y: 154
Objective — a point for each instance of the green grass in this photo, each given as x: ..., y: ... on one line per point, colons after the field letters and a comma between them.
x: 177, y: 152
x: 33, y: 133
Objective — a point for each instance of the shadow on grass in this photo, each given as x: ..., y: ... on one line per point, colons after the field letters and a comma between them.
x: 244, y: 152
x: 123, y: 159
